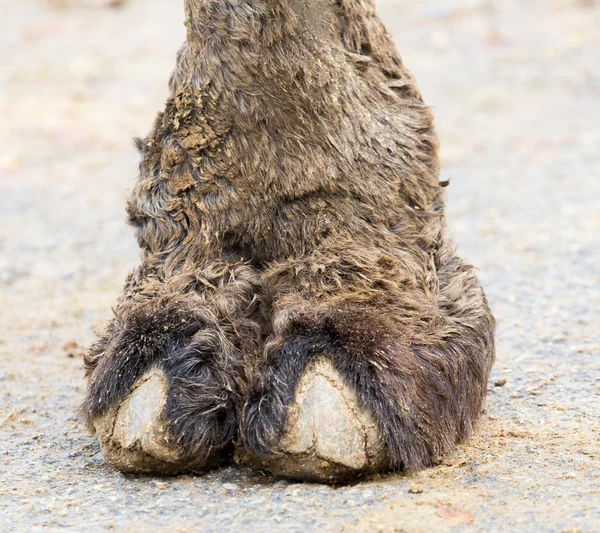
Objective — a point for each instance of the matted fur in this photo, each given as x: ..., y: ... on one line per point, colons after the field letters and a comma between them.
x: 288, y: 207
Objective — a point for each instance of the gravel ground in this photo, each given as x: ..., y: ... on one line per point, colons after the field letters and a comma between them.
x: 515, y: 87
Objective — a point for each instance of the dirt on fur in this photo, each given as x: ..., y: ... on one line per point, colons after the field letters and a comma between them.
x: 514, y: 87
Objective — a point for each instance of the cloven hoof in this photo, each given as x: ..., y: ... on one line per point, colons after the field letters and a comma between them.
x: 133, y: 435
x: 329, y: 436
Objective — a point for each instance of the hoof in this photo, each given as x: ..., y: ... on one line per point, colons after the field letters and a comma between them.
x: 329, y: 436
x: 133, y: 435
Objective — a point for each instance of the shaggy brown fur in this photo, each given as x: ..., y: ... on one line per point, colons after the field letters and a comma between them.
x: 288, y: 206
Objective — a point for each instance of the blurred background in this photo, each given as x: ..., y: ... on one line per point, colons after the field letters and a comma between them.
x: 515, y: 87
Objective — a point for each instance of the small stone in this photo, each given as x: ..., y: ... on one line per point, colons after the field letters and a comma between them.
x: 416, y: 489
x: 500, y: 383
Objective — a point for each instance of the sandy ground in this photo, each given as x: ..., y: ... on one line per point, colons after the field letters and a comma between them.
x: 515, y: 86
